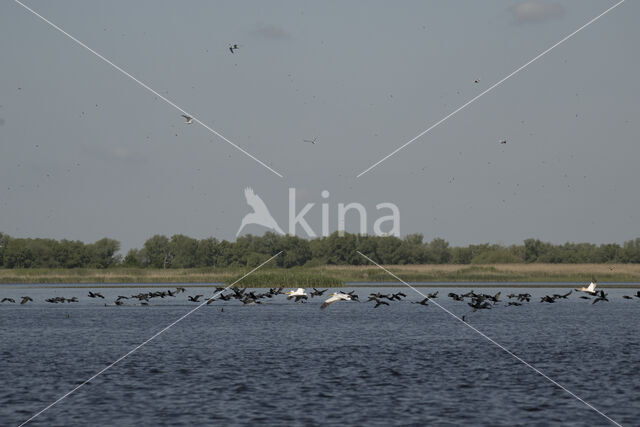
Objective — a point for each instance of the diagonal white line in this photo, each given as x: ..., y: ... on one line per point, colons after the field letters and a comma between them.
x: 454, y: 112
x: 145, y: 342
x: 493, y: 342
x: 165, y: 99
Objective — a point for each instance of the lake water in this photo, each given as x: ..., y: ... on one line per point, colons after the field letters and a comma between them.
x: 282, y: 363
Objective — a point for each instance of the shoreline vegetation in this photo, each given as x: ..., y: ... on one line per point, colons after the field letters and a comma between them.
x: 333, y: 275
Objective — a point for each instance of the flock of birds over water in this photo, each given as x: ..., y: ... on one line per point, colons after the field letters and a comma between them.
x: 477, y: 301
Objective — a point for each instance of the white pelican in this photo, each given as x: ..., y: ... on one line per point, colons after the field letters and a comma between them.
x: 334, y: 297
x: 298, y: 294
x: 591, y: 289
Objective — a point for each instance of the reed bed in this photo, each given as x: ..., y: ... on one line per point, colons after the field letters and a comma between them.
x: 334, y: 275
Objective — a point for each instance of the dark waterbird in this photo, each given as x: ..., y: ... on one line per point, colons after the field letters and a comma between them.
x: 26, y: 300
x: 95, y: 295
x: 276, y: 291
x: 8, y: 300
x: 195, y: 299
x: 479, y: 305
x: 379, y: 302
x: 354, y: 296
x: 548, y: 299
x: 317, y: 293
x: 524, y: 297
x: 456, y: 297
x: 423, y: 302
x: 226, y: 297
x: 601, y: 297
x: 556, y: 296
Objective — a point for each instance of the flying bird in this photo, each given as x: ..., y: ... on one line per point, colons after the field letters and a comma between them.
x: 188, y: 119
x: 25, y: 300
x: 503, y: 141
x: 260, y: 214
x: 8, y: 300
x: 591, y: 289
x: 298, y: 294
x: 233, y: 47
x: 335, y: 297
x: 313, y: 141
x: 317, y: 293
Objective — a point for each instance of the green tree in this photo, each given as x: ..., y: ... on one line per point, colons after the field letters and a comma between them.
x: 438, y: 251
x: 184, y: 250
x: 102, y: 254
x: 157, y: 252
x: 18, y: 254
x: 295, y: 251
x: 4, y: 241
x: 133, y: 258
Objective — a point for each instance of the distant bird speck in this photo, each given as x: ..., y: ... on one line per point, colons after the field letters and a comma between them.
x: 188, y: 119
x: 313, y: 141
x: 233, y: 47
x: 503, y: 141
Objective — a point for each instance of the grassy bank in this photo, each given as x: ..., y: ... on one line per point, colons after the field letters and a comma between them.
x: 336, y: 275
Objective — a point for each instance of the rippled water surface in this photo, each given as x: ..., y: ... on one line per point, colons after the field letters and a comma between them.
x: 282, y: 363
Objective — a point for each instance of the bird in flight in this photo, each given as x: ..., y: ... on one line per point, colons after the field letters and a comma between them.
x: 476, y: 81
x: 233, y: 47
x: 334, y: 297
x: 313, y: 141
x: 188, y: 119
x: 503, y: 141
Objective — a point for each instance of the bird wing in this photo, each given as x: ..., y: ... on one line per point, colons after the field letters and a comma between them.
x: 330, y: 301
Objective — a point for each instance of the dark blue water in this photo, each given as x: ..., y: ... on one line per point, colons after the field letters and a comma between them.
x: 282, y: 363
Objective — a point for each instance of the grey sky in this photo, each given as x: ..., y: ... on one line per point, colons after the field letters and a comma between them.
x: 87, y: 153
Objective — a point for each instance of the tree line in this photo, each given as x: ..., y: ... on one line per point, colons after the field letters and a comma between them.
x: 180, y: 251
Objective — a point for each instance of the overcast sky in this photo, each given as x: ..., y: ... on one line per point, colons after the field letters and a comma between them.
x: 85, y: 152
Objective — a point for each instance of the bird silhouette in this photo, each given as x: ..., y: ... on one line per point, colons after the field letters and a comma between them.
x: 188, y: 119
x: 260, y: 214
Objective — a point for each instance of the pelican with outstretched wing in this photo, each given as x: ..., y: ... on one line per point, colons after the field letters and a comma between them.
x: 335, y: 297
x: 260, y: 214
